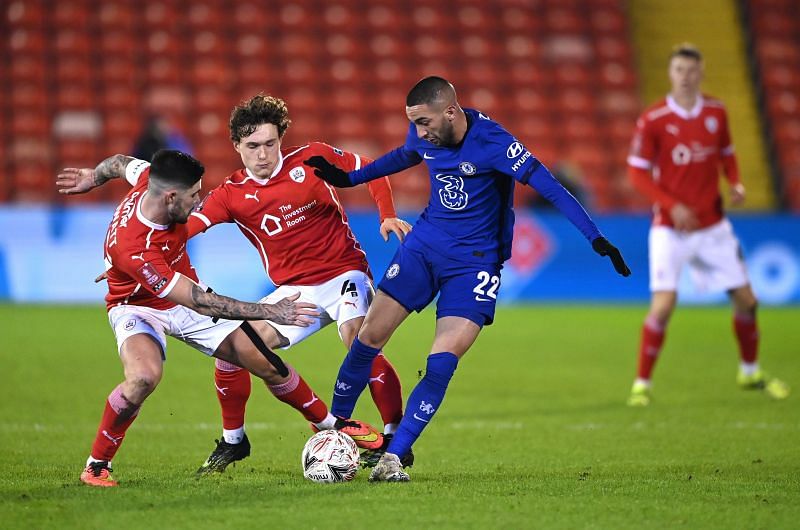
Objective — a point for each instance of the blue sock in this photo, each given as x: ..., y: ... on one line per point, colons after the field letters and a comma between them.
x: 353, y: 378
x: 424, y: 401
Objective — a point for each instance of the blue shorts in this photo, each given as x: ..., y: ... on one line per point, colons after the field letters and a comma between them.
x: 467, y: 290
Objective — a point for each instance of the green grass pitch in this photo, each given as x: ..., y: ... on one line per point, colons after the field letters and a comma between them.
x: 534, y: 431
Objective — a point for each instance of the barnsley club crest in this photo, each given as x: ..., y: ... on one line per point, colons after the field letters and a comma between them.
x: 297, y: 174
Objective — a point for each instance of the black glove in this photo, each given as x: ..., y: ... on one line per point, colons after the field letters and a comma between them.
x: 329, y: 172
x: 603, y: 247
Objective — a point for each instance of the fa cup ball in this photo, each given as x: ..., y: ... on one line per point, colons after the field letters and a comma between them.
x: 330, y: 456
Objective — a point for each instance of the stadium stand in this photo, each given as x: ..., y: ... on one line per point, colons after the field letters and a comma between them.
x: 775, y: 44
x: 558, y: 73
x: 716, y: 27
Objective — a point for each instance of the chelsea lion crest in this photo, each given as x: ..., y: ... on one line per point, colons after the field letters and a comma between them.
x: 467, y: 168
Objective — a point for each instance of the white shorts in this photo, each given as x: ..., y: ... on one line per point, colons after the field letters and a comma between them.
x: 343, y: 298
x: 187, y: 325
x: 712, y: 254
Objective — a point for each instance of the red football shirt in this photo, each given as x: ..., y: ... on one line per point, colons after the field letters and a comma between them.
x: 684, y: 150
x: 294, y: 219
x: 142, y: 257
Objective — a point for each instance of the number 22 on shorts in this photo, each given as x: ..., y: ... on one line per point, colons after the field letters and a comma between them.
x: 481, y: 291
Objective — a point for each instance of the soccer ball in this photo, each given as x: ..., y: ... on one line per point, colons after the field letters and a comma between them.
x: 330, y: 456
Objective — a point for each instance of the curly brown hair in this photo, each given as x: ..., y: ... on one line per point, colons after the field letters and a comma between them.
x: 258, y: 110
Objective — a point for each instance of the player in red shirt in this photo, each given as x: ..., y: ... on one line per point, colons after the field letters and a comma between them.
x: 153, y: 291
x: 297, y: 224
x: 677, y: 149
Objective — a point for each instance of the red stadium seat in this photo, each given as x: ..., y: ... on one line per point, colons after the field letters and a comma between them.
x: 608, y: 21
x: 116, y: 45
x: 29, y: 122
x: 24, y: 14
x: 161, y: 15
x: 74, y: 96
x: 205, y: 16
x: 28, y: 68
x: 122, y: 124
x: 74, y: 69
x: 521, y: 20
x: 26, y: 41
x: 781, y: 76
x: 576, y: 101
x: 69, y: 42
x: 28, y: 96
x: 77, y: 153
x: 32, y: 182
x: 613, y: 48
x: 74, y: 15
x: 565, y: 20
x: 250, y: 16
x: 116, y: 16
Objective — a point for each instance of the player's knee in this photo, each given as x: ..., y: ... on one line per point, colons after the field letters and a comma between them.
x: 140, y: 385
x: 748, y: 306
x: 658, y: 318
x: 372, y: 337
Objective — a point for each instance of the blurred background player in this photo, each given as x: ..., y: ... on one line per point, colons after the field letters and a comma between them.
x: 299, y: 228
x: 158, y: 132
x: 679, y: 144
x: 456, y: 249
x: 153, y: 291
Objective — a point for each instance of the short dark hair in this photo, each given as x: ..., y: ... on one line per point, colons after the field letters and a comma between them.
x: 688, y: 50
x: 427, y: 91
x: 258, y: 110
x: 171, y: 167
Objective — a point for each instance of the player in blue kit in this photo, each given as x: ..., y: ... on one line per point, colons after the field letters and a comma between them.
x: 456, y: 249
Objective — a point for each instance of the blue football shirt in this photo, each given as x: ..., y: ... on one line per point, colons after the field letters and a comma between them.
x: 469, y: 215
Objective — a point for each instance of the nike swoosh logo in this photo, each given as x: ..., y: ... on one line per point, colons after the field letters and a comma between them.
x: 426, y: 156
x: 342, y: 395
x: 420, y: 419
x: 481, y: 299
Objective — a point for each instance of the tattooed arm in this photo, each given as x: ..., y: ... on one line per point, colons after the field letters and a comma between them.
x: 74, y: 180
x: 286, y: 311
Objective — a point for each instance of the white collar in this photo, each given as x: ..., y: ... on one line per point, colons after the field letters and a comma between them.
x: 274, y: 172
x: 682, y: 112
x: 144, y: 220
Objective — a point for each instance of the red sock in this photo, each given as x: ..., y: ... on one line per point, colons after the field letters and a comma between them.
x: 296, y: 393
x: 384, y: 385
x: 746, y: 329
x: 233, y: 390
x: 118, y: 415
x: 650, y: 347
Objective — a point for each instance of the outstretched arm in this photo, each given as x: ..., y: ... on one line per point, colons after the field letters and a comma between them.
x: 72, y: 181
x: 545, y: 183
x: 389, y: 164
x: 286, y: 311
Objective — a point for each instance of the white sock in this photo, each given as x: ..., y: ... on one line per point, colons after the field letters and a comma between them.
x: 328, y: 423
x: 390, y: 428
x: 748, y: 368
x: 92, y: 460
x: 233, y: 436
